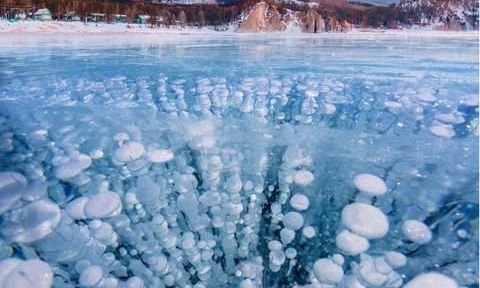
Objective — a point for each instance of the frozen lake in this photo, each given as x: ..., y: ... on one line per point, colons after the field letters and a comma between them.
x: 342, y: 160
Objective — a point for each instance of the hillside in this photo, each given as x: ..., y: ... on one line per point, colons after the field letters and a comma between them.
x: 255, y: 16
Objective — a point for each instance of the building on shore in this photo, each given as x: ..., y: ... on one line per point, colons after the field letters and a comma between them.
x: 119, y: 18
x: 71, y: 16
x: 43, y: 15
x: 142, y: 19
x: 96, y: 17
x: 16, y: 11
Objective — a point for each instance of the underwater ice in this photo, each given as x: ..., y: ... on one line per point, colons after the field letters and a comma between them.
x: 205, y: 177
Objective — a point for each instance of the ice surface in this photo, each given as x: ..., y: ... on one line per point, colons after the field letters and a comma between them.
x: 238, y: 161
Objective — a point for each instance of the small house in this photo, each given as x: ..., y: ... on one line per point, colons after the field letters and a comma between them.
x: 96, y: 17
x: 160, y: 20
x: 142, y: 19
x: 71, y: 16
x: 20, y: 16
x: 120, y: 18
x: 43, y: 15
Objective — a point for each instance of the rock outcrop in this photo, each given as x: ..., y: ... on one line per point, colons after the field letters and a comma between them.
x: 311, y: 22
x: 262, y: 18
x: 267, y: 18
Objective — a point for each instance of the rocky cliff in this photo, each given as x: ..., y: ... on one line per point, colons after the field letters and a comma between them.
x: 264, y: 17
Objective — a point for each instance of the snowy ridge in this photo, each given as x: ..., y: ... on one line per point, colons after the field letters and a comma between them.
x: 442, y: 14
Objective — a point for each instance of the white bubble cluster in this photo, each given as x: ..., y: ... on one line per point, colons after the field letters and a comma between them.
x: 306, y: 179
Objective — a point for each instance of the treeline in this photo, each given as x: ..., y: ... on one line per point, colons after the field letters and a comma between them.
x: 160, y: 13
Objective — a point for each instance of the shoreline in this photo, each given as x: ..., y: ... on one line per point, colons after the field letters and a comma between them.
x: 55, y: 33
x: 60, y: 27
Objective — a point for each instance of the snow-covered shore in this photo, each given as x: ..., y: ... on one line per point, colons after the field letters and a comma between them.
x: 59, y: 33
x: 62, y: 27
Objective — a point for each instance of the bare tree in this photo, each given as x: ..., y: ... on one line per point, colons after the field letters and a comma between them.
x: 201, y: 18
x: 182, y: 18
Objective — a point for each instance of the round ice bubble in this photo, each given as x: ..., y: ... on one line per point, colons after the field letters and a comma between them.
x: 431, y: 280
x: 277, y: 257
x: 299, y: 202
x: 338, y: 259
x: 382, y: 266
x: 308, y: 232
x: 350, y: 281
x: 91, y: 276
x: 233, y: 184
x: 365, y: 220
x: 32, y: 222
x: 247, y: 283
x: 396, y: 259
x: 370, y: 184
x: 426, y: 97
x: 293, y: 220
x: 368, y: 273
x: 311, y: 93
x: 103, y: 204
x: 450, y: 118
x: 7, y: 266
x: 160, y: 155
x: 120, y: 137
x: 12, y: 186
x: 303, y: 177
x: 96, y: 154
x: 291, y: 253
x: 128, y: 152
x: 327, y: 271
x: 274, y: 245
x: 35, y: 191
x: 287, y: 235
x: 134, y: 282
x: 27, y: 274
x: 185, y: 183
x: 351, y: 243
x: 76, y: 208
x: 442, y: 131
x: 392, y: 105
x: 330, y: 109
x: 416, y: 231
x: 73, y: 167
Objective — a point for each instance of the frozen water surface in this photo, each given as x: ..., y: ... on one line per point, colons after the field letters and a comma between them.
x: 239, y: 161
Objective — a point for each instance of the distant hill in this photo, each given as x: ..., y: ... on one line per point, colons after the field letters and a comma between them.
x: 309, y: 16
x: 441, y: 14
